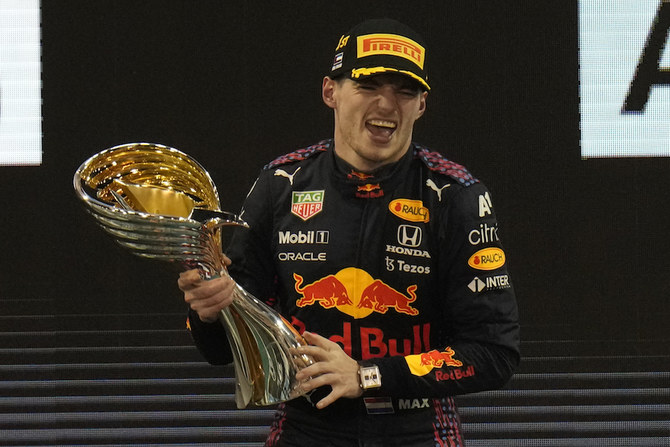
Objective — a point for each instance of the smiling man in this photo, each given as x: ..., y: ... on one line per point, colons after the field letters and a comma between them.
x: 374, y: 117
x: 371, y: 246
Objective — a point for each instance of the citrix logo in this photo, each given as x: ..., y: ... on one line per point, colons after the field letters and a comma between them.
x: 483, y: 235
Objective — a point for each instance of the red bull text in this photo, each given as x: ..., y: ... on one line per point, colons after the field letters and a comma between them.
x: 373, y: 342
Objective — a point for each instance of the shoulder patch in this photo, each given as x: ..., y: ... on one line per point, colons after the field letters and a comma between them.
x: 300, y: 154
x: 438, y: 163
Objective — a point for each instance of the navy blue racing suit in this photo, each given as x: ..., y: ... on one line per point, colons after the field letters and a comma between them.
x: 403, y: 267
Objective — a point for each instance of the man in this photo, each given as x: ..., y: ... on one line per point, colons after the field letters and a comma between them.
x: 384, y: 253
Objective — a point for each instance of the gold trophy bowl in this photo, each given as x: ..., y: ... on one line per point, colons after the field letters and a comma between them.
x: 161, y: 204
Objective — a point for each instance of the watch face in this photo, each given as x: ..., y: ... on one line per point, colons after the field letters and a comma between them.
x: 370, y: 377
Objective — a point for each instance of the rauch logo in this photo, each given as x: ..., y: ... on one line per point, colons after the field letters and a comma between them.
x: 411, y: 210
x: 487, y: 259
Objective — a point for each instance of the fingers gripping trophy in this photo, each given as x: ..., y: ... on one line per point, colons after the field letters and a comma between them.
x: 160, y: 203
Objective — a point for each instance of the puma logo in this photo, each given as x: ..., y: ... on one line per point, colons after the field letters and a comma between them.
x: 282, y: 173
x: 431, y: 184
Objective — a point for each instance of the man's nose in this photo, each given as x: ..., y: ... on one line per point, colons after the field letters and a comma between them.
x: 387, y: 98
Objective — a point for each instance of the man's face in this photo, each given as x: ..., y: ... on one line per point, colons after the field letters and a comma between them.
x: 374, y: 117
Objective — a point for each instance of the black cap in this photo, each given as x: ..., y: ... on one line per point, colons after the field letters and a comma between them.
x: 381, y: 46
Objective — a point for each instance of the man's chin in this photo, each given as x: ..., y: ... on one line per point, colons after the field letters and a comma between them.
x: 382, y: 155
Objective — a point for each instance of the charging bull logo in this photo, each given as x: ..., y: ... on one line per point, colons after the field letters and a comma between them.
x: 359, y: 175
x: 437, y: 359
x: 368, y: 187
x: 379, y: 297
x: 369, y: 191
x: 354, y: 292
x: 328, y: 291
x: 422, y: 364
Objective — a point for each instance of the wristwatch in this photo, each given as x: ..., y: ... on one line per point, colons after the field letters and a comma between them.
x: 369, y: 377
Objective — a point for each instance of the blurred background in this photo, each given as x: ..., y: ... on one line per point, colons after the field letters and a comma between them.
x: 235, y: 84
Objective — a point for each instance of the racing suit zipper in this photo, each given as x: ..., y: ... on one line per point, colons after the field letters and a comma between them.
x: 361, y: 232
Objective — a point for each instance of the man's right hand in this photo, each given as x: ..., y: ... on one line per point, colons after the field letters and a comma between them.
x: 206, y: 297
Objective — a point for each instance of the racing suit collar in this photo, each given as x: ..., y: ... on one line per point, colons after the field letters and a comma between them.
x: 370, y: 184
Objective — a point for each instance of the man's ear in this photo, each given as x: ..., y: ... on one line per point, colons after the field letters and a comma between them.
x: 328, y: 92
x: 422, y: 104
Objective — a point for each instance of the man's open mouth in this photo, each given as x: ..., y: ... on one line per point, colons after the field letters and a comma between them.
x: 381, y: 128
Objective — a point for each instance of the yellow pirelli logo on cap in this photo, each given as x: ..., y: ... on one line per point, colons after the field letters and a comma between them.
x: 392, y: 45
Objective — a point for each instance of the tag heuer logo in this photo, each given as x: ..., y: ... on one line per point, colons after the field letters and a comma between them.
x: 306, y: 204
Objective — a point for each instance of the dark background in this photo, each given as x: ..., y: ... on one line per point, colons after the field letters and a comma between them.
x: 235, y: 84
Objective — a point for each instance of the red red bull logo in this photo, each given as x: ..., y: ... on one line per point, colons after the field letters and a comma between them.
x: 379, y: 297
x: 422, y: 364
x: 359, y: 175
x: 328, y: 292
x: 437, y: 358
x: 368, y: 187
x: 369, y: 191
x: 354, y: 292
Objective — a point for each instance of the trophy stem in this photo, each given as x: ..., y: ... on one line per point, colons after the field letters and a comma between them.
x: 260, y: 341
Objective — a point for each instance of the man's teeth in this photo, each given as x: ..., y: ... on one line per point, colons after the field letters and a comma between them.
x: 382, y: 123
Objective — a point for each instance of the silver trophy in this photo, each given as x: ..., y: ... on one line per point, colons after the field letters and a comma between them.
x: 162, y: 204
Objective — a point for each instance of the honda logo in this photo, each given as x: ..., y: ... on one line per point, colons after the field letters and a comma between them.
x: 409, y: 235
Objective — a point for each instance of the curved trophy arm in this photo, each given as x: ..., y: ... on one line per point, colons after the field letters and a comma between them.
x: 260, y: 339
x: 161, y: 204
x: 260, y: 342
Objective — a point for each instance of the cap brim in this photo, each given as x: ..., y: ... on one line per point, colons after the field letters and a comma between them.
x: 364, y: 72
